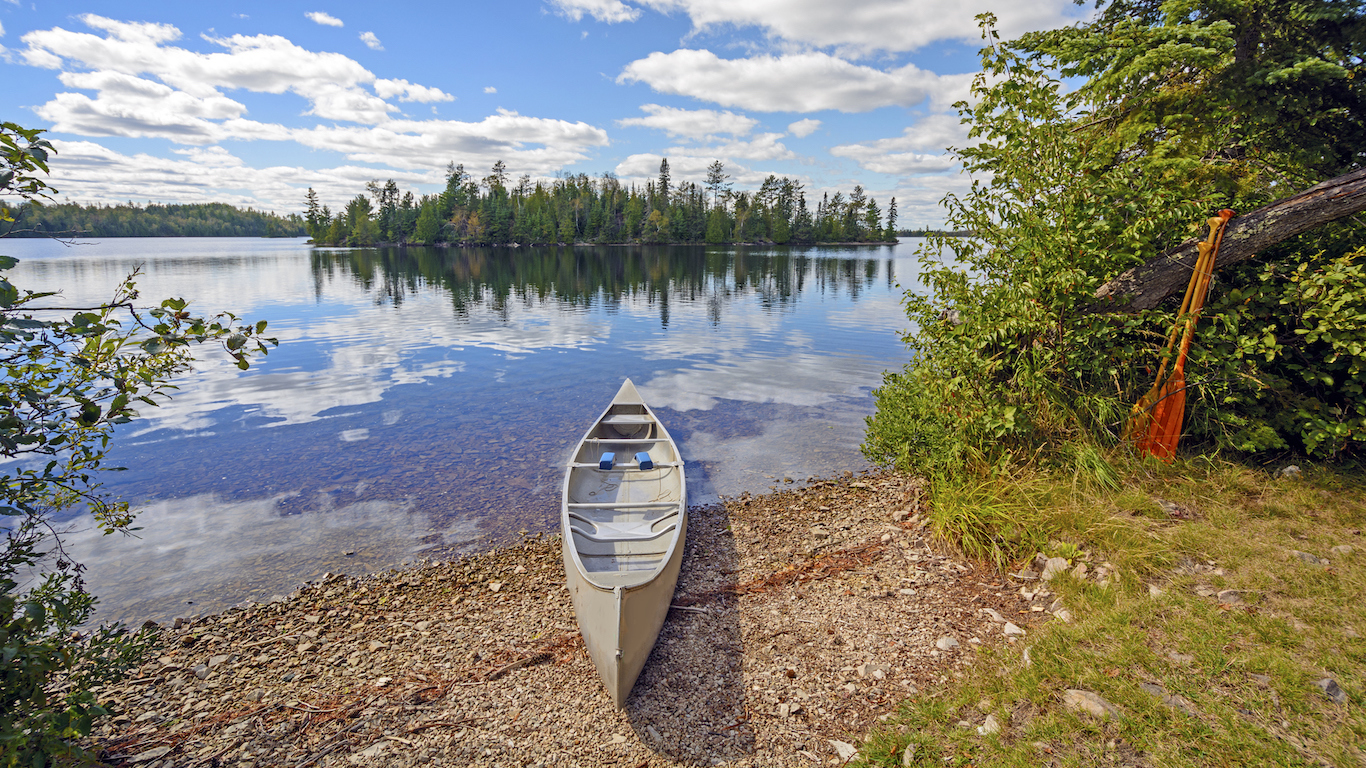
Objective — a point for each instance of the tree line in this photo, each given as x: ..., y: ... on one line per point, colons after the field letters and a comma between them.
x: 576, y: 209
x: 36, y: 219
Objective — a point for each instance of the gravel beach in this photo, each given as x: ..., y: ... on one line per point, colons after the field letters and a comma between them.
x: 800, y: 617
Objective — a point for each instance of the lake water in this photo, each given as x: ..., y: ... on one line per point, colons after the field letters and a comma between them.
x: 422, y: 401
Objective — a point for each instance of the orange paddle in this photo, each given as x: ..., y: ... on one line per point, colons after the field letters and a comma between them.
x: 1157, y: 417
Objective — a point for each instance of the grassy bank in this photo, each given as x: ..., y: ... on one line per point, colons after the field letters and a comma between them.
x: 1236, y: 594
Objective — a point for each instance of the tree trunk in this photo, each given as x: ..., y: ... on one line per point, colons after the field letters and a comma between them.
x: 1146, y: 286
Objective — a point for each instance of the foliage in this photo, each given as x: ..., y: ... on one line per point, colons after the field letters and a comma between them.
x: 152, y: 220
x: 71, y: 375
x: 1071, y: 188
x: 577, y: 209
x: 21, y: 154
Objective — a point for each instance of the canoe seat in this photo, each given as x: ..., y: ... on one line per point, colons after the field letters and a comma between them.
x: 615, y: 532
x: 627, y: 419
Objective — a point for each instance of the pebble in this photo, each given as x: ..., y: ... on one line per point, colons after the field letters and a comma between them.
x: 217, y: 660
x: 1288, y: 472
x: 946, y: 643
x: 1341, y: 550
x: 201, y: 671
x: 1181, y: 658
x: 1090, y: 703
x: 151, y: 754
x: 1013, y: 631
x: 1064, y: 615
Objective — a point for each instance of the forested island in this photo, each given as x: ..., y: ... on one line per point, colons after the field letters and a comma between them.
x: 36, y: 219
x: 583, y: 209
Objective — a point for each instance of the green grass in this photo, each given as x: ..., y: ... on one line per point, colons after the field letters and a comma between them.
x: 1247, y: 672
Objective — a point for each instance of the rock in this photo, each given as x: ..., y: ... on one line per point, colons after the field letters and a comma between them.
x: 1065, y: 616
x: 619, y: 738
x: 901, y: 515
x: 256, y: 694
x: 844, y: 749
x: 494, y: 586
x: 217, y: 660
x: 908, y: 755
x: 1154, y: 591
x: 995, y: 615
x: 381, y: 682
x: 1089, y: 703
x: 1341, y: 550
x: 1080, y: 571
x: 908, y: 592
x: 422, y: 626
x: 1026, y: 575
x: 313, y: 618
x: 989, y: 727
x: 1332, y: 690
x: 1308, y: 558
x: 820, y: 532
x: 1288, y: 472
x: 367, y: 756
x: 1205, y: 590
x: 145, y: 716
x: 788, y: 709
x: 376, y: 645
x: 151, y: 754
x: 1053, y: 567
x: 201, y: 671
x: 1013, y: 631
x: 1055, y: 606
x: 1181, y: 658
x: 1170, y: 700
x: 1231, y: 597
x: 1028, y: 661
x: 946, y: 643
x: 870, y: 669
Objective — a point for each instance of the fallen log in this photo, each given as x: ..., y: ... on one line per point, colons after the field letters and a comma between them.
x: 1147, y: 285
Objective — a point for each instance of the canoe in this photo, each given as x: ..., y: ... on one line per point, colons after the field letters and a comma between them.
x: 624, y: 517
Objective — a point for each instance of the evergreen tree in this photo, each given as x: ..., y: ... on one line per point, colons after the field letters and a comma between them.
x: 889, y: 234
x: 428, y: 225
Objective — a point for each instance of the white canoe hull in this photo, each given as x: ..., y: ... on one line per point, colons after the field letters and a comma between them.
x: 623, y: 532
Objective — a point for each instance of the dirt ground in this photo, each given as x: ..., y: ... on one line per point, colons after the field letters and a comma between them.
x: 800, y: 617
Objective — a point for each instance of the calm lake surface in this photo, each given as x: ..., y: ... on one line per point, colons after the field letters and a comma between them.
x: 422, y: 401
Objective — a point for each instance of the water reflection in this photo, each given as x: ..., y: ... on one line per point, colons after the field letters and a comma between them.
x: 441, y: 390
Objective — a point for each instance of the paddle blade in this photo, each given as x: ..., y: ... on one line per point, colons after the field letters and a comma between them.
x: 1168, y: 413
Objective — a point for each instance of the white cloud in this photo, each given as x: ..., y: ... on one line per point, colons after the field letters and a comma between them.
x: 802, y: 82
x: 262, y: 63
x: 406, y: 91
x: 803, y: 128
x: 871, y: 25
x: 371, y: 41
x: 693, y: 124
x: 490, y: 89
x: 610, y: 11
x: 326, y: 19
x: 897, y: 156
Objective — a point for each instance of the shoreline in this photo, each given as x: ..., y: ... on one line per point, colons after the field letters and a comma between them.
x: 801, y: 616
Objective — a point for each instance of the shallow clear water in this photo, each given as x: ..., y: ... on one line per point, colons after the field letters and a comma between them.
x: 423, y: 400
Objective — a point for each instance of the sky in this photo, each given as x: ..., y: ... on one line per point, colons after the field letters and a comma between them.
x: 252, y: 103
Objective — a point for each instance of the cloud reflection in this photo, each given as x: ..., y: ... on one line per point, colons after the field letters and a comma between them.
x: 201, y: 554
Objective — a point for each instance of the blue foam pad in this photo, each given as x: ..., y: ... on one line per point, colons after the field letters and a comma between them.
x: 645, y: 461
x: 607, y: 460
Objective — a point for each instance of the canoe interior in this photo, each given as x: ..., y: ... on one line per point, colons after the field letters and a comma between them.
x: 623, y: 520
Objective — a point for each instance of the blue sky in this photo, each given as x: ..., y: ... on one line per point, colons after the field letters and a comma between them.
x: 253, y: 102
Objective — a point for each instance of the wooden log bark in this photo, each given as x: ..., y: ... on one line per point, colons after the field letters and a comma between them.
x: 1147, y: 285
